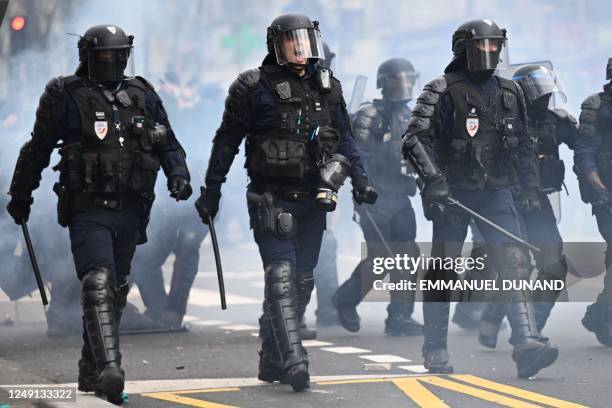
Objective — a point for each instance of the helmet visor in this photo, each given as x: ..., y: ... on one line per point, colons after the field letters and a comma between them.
x: 400, y: 85
x: 297, y: 46
x: 109, y: 65
x: 487, y: 53
x: 539, y: 82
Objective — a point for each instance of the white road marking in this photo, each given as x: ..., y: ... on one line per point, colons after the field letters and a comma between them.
x: 385, y: 358
x: 239, y: 327
x: 419, y: 369
x: 209, y: 322
x: 315, y: 343
x: 345, y: 350
x: 255, y: 334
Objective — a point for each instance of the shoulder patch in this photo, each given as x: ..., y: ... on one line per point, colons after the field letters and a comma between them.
x: 591, y: 102
x: 437, y: 85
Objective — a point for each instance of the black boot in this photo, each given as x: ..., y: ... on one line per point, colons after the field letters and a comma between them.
x: 347, y: 313
x: 490, y: 323
x: 467, y: 315
x: 436, y: 332
x: 399, y: 321
x: 595, y: 320
x: 99, y: 297
x: 304, y: 284
x: 88, y: 374
x: 281, y: 310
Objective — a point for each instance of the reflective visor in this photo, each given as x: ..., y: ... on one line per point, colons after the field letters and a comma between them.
x: 297, y: 46
x: 539, y: 82
x: 487, y: 53
x: 398, y: 87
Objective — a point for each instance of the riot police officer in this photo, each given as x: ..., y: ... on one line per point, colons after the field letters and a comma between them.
x: 115, y: 136
x: 467, y: 138
x: 549, y: 128
x: 378, y: 127
x: 299, y: 150
x: 593, y: 165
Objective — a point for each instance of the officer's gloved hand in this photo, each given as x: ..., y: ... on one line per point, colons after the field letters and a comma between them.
x: 19, y: 209
x: 435, y: 196
x: 208, y: 204
x: 362, y: 193
x: 179, y: 188
x: 602, y: 200
x: 531, y: 200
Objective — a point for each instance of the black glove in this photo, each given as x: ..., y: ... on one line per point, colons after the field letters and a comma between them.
x: 19, y: 209
x: 434, y: 196
x: 208, y: 204
x: 179, y: 188
x: 530, y: 200
x: 362, y: 193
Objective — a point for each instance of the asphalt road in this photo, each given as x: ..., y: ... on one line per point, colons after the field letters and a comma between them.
x: 215, y: 363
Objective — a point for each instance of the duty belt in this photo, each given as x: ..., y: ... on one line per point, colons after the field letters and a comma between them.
x: 289, y: 193
x: 87, y: 201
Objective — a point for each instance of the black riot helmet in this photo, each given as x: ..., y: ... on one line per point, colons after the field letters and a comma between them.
x: 538, y: 83
x: 105, y: 52
x: 328, y: 56
x: 294, y: 39
x: 481, y: 44
x: 397, y: 78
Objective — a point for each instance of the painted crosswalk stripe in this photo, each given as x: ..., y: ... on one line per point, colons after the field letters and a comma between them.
x: 315, y: 343
x: 419, y: 369
x: 239, y: 327
x: 345, y: 350
x: 385, y: 358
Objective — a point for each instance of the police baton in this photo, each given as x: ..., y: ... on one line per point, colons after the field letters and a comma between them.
x: 39, y: 281
x: 492, y: 224
x: 215, y: 244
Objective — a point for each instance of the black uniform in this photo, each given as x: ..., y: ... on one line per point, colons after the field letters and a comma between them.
x: 472, y: 124
x: 549, y: 129
x: 285, y: 118
x: 378, y: 128
x: 113, y: 138
x: 593, y: 157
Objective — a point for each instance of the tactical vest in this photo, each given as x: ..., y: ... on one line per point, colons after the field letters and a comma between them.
x: 285, y: 153
x: 551, y: 167
x: 386, y: 169
x: 114, y: 154
x: 603, y: 125
x: 483, y: 148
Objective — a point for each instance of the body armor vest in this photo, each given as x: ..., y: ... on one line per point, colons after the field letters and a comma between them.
x: 387, y: 170
x: 114, y: 154
x: 286, y: 153
x: 603, y: 125
x: 551, y: 167
x: 483, y: 148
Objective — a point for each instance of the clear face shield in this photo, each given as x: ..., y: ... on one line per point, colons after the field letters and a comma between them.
x: 487, y: 53
x: 297, y: 46
x: 541, y: 82
x: 111, y: 65
x: 400, y: 86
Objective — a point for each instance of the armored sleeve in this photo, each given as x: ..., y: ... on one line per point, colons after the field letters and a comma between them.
x: 568, y: 128
x: 172, y: 154
x: 423, y: 128
x: 366, y: 128
x: 35, y: 154
x: 341, y: 122
x: 234, y: 126
x: 527, y: 168
x: 588, y: 140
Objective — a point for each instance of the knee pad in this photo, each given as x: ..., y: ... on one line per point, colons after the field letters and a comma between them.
x: 279, y: 284
x: 97, y: 286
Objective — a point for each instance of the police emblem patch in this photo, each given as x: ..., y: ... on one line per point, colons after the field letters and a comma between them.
x: 471, y: 123
x: 101, y: 127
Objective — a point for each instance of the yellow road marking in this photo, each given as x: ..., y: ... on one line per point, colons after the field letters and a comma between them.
x: 192, y: 402
x: 477, y: 393
x: 418, y: 393
x: 517, y: 392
